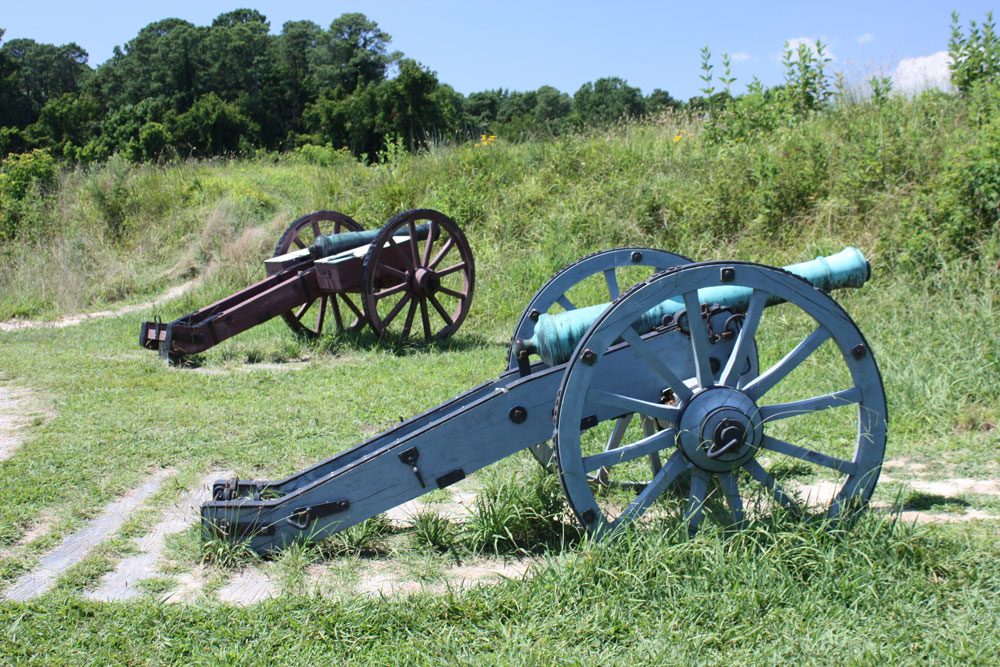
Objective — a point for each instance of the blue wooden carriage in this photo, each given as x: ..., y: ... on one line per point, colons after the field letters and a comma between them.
x: 660, y: 392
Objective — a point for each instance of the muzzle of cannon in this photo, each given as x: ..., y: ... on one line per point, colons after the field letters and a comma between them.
x: 411, y: 279
x: 556, y: 335
x: 709, y: 389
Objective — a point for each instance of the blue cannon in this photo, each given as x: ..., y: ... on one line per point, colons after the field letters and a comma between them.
x: 700, y: 386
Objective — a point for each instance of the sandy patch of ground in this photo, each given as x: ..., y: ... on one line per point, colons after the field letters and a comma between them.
x: 819, y: 494
x: 457, y: 508
x: 384, y: 579
x: 249, y: 586
x: 19, y: 408
x: 189, y: 586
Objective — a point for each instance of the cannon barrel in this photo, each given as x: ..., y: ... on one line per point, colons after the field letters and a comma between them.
x: 327, y: 245
x: 556, y: 335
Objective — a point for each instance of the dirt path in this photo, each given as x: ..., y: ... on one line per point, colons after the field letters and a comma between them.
x: 77, y: 318
x: 18, y: 408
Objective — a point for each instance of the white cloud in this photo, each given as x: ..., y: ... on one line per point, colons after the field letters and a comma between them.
x: 866, y: 38
x: 740, y: 56
x: 794, y: 43
x: 913, y: 75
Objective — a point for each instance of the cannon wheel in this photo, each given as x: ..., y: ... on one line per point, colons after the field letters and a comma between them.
x: 733, y: 438
x: 556, y: 291
x: 418, y: 287
x: 307, y: 320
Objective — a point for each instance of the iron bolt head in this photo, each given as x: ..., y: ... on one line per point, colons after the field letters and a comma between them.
x: 518, y: 414
x: 859, y: 350
x: 636, y: 256
x: 588, y: 357
x: 727, y: 274
x: 534, y: 315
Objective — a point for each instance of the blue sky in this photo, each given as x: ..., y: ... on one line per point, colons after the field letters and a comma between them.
x: 521, y: 45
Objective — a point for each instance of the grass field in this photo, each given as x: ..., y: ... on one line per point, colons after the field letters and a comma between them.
x: 108, y: 416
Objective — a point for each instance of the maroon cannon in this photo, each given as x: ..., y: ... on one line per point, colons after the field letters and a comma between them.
x: 411, y: 279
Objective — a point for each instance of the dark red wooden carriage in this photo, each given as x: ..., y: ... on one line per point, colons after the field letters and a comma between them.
x: 410, y: 280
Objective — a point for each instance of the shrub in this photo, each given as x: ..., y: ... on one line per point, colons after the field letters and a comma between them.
x: 21, y: 175
x: 976, y: 57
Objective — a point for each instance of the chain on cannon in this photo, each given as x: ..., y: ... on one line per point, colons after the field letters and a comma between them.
x: 694, y: 393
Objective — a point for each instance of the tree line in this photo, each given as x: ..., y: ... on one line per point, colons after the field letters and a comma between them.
x: 177, y: 89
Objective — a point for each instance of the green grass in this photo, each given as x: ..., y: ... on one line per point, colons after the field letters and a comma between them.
x: 780, y: 591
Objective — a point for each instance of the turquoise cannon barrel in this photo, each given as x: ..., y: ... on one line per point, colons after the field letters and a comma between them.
x: 556, y: 335
x: 327, y: 245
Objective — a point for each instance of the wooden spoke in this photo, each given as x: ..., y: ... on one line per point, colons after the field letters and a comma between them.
x: 336, y: 313
x: 441, y: 311
x: 451, y: 292
x: 350, y: 304
x: 681, y: 390
x: 832, y: 462
x: 302, y: 309
x: 696, y: 499
x: 393, y: 271
x: 431, y: 233
x: 775, y: 374
x: 451, y: 269
x: 565, y: 303
x: 409, y: 319
x: 661, y: 480
x: 731, y: 374
x: 414, y: 251
x: 795, y: 408
x: 642, y: 447
x: 389, y: 291
x: 767, y: 481
x: 618, y: 432
x: 629, y: 404
x: 426, y: 319
x: 395, y: 309
x: 298, y: 242
x: 612, y: 280
x: 448, y: 245
x: 315, y: 228
x: 321, y: 314
x: 731, y: 489
x: 699, y: 340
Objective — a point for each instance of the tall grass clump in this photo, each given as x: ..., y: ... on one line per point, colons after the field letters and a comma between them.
x: 519, y: 513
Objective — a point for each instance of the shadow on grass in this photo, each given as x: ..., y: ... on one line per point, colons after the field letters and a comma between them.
x: 922, y: 502
x: 333, y: 345
x: 366, y: 339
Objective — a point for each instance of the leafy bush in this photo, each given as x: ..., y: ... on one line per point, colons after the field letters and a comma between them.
x: 20, y: 175
x: 760, y: 112
x: 976, y: 57
x: 971, y: 196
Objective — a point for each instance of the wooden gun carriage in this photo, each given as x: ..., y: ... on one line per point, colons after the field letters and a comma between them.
x: 414, y: 277
x: 659, y: 394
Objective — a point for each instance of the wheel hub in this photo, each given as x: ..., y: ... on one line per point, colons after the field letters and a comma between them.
x: 720, y: 429
x: 425, y: 282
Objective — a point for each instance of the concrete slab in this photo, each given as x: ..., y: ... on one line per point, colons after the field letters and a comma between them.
x: 75, y: 547
x: 120, y: 584
x: 249, y: 586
